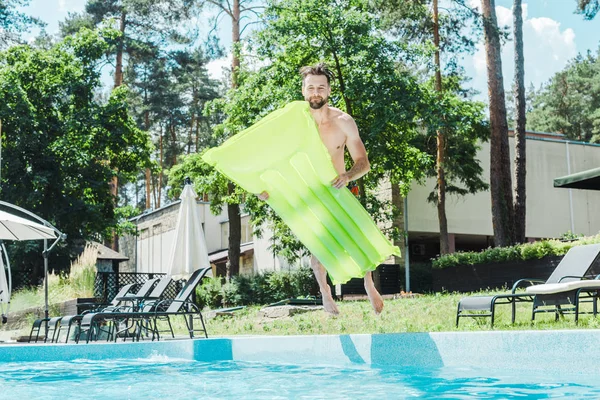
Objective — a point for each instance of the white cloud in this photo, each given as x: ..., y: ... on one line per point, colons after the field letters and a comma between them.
x: 218, y: 69
x: 62, y: 5
x: 503, y: 16
x: 547, y: 49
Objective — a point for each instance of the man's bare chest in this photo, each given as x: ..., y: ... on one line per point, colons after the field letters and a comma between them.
x: 333, y: 138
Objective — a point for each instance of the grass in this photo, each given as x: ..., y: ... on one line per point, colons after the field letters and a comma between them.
x: 79, y: 283
x: 428, y: 313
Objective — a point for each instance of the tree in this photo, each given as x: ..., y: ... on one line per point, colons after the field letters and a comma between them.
x: 570, y: 102
x: 236, y: 10
x: 13, y: 22
x: 144, y: 26
x: 589, y: 8
x: 61, y: 145
x: 384, y: 100
x: 466, y: 127
x: 500, y: 178
x: 417, y: 22
x: 168, y: 95
x: 441, y: 141
x: 520, y: 126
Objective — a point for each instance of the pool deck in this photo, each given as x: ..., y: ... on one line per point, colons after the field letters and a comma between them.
x: 577, y: 350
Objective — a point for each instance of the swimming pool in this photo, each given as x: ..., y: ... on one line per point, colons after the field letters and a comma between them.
x: 494, y: 365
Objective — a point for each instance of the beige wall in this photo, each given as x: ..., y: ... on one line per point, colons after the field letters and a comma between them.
x: 548, y: 208
x: 157, y: 232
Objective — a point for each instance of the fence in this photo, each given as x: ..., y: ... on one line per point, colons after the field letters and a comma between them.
x: 389, y: 281
x: 22, y: 278
x: 108, y: 284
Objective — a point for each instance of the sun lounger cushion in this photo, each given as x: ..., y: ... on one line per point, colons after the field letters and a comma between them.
x: 284, y: 155
x: 550, y: 288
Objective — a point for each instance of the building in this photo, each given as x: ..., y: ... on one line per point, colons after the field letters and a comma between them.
x: 551, y: 212
x: 149, y: 250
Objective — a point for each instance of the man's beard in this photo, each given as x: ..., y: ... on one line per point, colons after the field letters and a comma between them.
x: 317, y: 102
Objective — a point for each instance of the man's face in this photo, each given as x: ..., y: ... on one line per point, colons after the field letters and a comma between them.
x: 316, y: 90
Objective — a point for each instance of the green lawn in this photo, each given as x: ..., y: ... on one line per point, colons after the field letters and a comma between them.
x: 428, y: 313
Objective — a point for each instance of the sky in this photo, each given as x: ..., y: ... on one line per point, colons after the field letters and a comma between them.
x: 552, y: 34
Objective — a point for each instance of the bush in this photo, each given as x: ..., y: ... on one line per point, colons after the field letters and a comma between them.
x: 264, y: 288
x: 526, y: 251
x: 210, y: 293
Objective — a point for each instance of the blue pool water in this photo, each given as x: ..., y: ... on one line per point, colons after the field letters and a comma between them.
x: 560, y: 364
x: 159, y: 377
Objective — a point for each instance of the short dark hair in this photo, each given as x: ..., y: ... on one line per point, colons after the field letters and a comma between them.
x: 317, y: 69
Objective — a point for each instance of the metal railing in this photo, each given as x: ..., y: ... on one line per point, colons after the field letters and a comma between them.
x: 108, y: 284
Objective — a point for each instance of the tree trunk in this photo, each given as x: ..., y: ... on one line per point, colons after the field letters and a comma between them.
x: 500, y: 177
x: 120, y: 50
x: 114, y: 184
x: 191, y: 134
x: 197, y: 134
x: 440, y: 142
x: 235, y: 236
x: 148, y: 189
x: 398, y: 223
x: 233, y: 210
x: 160, y: 172
x: 520, y: 123
x: 148, y: 173
x: 235, y: 39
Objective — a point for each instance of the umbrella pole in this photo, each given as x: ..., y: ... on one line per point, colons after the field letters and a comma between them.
x: 45, y: 253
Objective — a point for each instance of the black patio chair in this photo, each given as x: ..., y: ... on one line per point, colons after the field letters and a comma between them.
x: 148, y: 317
x: 118, y: 319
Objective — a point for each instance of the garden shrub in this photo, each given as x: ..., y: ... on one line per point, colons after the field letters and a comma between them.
x: 526, y: 251
x: 264, y: 288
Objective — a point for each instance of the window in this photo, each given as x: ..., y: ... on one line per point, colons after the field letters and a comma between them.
x: 246, y: 234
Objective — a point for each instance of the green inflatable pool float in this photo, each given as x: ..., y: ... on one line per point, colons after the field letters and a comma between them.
x: 284, y: 155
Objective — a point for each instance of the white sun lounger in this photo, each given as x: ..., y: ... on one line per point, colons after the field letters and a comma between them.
x: 565, y: 287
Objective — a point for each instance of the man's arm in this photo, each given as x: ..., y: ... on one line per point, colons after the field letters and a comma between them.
x: 357, y: 151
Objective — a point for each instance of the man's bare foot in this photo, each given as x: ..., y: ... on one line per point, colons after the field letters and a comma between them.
x: 375, y: 298
x: 329, y: 305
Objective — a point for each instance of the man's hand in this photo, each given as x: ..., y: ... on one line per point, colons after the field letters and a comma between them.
x: 264, y: 196
x: 340, y: 182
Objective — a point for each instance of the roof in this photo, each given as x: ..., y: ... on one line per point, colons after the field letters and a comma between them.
x: 589, y: 179
x: 222, y: 254
x: 106, y: 253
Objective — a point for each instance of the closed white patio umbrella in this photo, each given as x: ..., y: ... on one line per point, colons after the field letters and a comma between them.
x: 5, y: 287
x: 13, y: 227
x: 189, y: 251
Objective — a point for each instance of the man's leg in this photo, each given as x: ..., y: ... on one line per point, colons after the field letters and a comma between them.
x: 374, y: 296
x: 321, y: 275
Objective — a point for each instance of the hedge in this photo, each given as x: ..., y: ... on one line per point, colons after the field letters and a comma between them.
x: 264, y: 288
x: 526, y: 251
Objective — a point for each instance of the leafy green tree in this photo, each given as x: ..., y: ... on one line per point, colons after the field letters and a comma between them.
x: 61, y: 145
x: 14, y: 22
x: 466, y: 127
x: 383, y: 100
x: 236, y: 10
x: 570, y: 102
x: 441, y: 31
x: 168, y: 95
x: 145, y: 26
